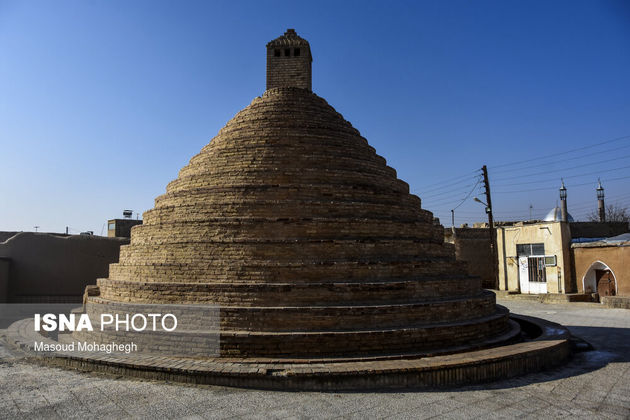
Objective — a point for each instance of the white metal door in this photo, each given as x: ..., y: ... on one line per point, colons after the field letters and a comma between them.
x: 537, y: 287
x: 523, y: 274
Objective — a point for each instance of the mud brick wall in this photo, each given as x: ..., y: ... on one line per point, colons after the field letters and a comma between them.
x: 472, y: 246
x: 48, y: 268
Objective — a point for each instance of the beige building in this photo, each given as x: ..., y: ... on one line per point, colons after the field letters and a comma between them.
x: 534, y: 257
x: 538, y: 257
x: 121, y: 228
x: 603, y: 267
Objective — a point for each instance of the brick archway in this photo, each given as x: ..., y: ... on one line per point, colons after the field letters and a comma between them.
x: 589, y: 280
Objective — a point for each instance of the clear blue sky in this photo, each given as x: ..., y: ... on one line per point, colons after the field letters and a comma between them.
x: 102, y: 102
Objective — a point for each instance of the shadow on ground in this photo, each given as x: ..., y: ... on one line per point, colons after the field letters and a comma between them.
x: 609, y: 345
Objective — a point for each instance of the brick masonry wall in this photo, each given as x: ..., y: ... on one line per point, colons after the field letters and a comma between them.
x: 292, y: 223
x: 289, y: 62
x: 432, y: 370
x: 616, y: 257
x: 289, y: 71
x: 472, y: 246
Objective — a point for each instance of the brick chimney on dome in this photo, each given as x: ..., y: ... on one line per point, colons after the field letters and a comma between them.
x: 289, y: 62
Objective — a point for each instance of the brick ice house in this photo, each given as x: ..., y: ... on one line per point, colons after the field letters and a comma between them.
x: 305, y: 238
x: 291, y: 222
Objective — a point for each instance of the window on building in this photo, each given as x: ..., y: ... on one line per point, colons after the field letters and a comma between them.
x: 525, y: 250
x: 536, y: 268
x: 296, y: 52
x: 537, y: 261
x: 287, y: 52
x: 276, y: 53
x: 551, y: 261
x: 111, y: 226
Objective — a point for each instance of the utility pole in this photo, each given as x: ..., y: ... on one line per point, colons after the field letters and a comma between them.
x: 493, y: 237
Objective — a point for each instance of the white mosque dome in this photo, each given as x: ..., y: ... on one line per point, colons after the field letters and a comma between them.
x: 555, y: 215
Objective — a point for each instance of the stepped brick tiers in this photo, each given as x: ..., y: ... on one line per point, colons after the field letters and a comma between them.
x: 327, y: 272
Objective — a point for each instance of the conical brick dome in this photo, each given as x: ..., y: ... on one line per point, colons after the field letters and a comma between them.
x: 310, y: 244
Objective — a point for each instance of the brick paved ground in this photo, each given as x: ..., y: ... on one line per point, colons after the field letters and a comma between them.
x: 593, y: 384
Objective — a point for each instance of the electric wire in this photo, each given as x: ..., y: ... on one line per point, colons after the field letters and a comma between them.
x: 463, y: 188
x: 439, y: 199
x: 440, y: 185
x: 511, y: 164
x: 553, y: 188
x: 443, y: 201
x: 560, y: 170
x: 566, y: 159
x: 464, y: 176
x: 468, y: 196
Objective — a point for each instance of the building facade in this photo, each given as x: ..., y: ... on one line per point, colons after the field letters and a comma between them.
x: 603, y: 267
x: 539, y: 257
x: 534, y: 257
x: 121, y: 228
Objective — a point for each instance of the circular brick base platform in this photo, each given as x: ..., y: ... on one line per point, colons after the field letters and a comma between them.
x: 550, y: 348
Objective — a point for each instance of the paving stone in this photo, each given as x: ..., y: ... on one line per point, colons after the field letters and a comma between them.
x: 541, y: 395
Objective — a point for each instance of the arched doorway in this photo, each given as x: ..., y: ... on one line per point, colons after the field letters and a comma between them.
x: 600, y: 279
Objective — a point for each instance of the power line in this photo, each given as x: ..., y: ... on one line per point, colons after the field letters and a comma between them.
x: 468, y: 196
x: 567, y: 159
x: 439, y: 185
x: 583, y: 207
x: 593, y: 211
x: 573, y: 206
x: 553, y: 188
x: 561, y: 153
x: 580, y: 209
x: 617, y: 196
x: 560, y: 170
x: 466, y: 176
x: 577, y: 211
x: 522, y: 215
x: 463, y: 188
x: 443, y: 201
x: 470, y: 213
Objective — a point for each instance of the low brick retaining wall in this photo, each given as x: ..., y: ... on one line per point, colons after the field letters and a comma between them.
x: 621, y: 302
x: 549, y: 349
